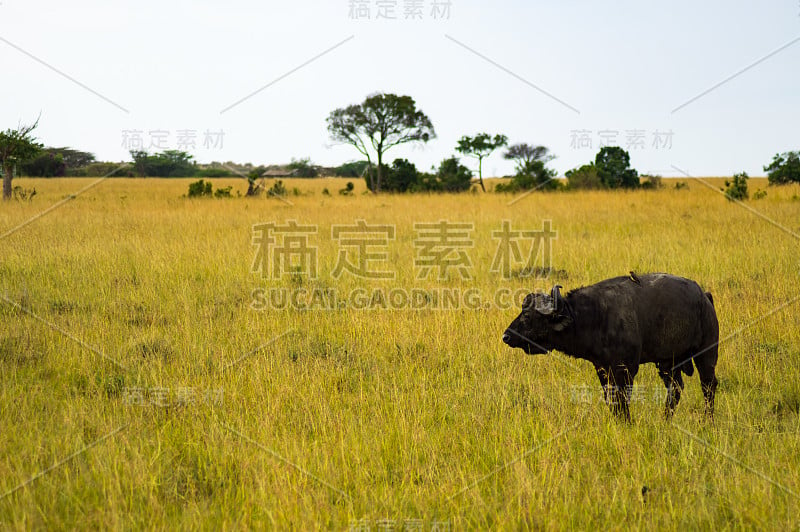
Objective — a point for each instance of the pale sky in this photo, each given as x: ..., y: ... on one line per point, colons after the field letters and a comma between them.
x: 562, y: 73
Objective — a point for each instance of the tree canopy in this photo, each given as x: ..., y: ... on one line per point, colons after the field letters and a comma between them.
x: 16, y: 145
x: 480, y: 146
x: 170, y: 163
x: 614, y: 168
x: 784, y: 168
x: 54, y: 162
x: 531, y: 165
x: 379, y: 123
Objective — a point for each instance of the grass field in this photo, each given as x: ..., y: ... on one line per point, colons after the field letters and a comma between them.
x: 137, y: 383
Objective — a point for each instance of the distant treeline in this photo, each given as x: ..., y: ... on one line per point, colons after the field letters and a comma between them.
x: 68, y: 162
x: 372, y: 127
x: 610, y: 170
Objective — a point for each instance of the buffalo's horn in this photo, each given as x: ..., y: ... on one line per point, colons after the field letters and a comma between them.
x: 556, y: 296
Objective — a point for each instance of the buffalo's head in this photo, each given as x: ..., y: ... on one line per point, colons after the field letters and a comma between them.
x: 541, y: 316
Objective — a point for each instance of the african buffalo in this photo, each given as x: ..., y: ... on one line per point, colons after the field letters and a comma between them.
x: 620, y: 323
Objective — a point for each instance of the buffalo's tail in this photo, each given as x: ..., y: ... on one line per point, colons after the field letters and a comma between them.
x: 710, y: 298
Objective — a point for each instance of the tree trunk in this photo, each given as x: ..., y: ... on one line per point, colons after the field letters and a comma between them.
x: 8, y: 174
x: 480, y: 173
x: 380, y: 172
x: 370, y: 177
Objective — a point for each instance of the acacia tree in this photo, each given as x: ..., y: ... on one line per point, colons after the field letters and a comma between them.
x: 524, y: 155
x: 531, y: 162
x: 379, y: 123
x: 480, y: 146
x: 16, y: 146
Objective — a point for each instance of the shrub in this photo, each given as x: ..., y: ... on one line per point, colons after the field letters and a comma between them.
x: 347, y: 190
x: 652, y: 182
x: 760, y: 194
x: 277, y: 190
x: 530, y: 181
x: 585, y: 177
x: 681, y: 185
x: 785, y: 168
x: 737, y: 189
x: 223, y: 192
x: 403, y: 176
x: 199, y: 189
x: 453, y: 176
x: 400, y: 177
x: 426, y: 183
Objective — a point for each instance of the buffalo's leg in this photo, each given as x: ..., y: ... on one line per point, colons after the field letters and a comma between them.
x: 705, y: 363
x: 674, y: 382
x: 603, y: 375
x: 622, y: 385
x: 617, y: 386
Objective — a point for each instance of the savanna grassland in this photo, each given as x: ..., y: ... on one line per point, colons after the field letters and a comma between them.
x: 136, y: 379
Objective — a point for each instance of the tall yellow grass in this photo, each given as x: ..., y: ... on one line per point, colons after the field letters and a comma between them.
x: 131, y: 293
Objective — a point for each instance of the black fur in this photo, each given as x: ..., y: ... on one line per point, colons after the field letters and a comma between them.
x: 617, y: 325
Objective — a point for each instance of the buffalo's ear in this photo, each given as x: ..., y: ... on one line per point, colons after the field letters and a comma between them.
x: 563, y: 321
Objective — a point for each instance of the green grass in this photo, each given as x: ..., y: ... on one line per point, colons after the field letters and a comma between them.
x: 370, y: 414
